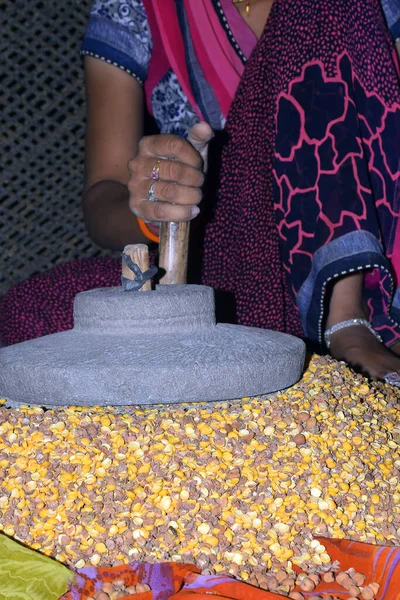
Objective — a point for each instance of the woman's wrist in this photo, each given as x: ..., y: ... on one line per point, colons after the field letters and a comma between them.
x: 108, y: 218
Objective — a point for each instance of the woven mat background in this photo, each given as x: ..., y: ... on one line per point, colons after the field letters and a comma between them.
x: 42, y: 116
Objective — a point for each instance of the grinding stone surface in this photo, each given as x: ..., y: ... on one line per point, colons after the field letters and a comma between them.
x: 145, y: 348
x: 219, y: 363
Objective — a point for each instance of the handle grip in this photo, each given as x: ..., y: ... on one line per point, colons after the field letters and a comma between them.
x: 173, y: 249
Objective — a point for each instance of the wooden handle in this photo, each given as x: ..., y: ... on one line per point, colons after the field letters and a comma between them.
x: 173, y: 248
x: 139, y: 253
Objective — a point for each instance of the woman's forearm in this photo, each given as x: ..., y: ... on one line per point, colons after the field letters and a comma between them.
x: 108, y: 219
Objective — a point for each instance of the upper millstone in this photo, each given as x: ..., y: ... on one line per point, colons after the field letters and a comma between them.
x: 169, y: 308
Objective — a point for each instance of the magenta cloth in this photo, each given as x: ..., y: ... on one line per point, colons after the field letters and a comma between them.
x: 244, y: 36
x: 43, y: 304
x: 221, y: 63
x: 309, y: 178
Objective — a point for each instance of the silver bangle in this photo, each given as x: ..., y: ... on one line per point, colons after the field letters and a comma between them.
x: 349, y: 323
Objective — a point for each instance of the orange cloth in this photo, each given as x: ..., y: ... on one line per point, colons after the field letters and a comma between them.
x: 173, y: 581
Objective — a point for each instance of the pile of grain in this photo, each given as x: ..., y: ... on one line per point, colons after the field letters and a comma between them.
x: 233, y: 487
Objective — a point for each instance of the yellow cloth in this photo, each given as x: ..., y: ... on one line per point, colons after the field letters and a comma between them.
x: 28, y: 575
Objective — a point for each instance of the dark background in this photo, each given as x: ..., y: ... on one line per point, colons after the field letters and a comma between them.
x: 42, y: 126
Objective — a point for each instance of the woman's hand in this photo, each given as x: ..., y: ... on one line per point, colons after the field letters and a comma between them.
x: 180, y: 165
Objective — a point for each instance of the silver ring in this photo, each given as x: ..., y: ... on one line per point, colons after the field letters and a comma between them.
x: 151, y: 197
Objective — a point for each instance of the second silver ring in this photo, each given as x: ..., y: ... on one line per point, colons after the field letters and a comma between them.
x: 151, y: 197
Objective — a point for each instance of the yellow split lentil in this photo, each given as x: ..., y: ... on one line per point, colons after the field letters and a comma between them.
x: 238, y: 487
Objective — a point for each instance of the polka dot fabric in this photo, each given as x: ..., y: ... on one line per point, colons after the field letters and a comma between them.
x: 264, y: 225
x: 43, y: 304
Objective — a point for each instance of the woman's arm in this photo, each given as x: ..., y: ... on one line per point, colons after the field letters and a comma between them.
x: 116, y: 191
x: 114, y: 130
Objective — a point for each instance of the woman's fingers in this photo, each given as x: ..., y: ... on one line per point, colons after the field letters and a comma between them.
x: 167, y: 194
x: 164, y: 211
x: 167, y: 170
x: 171, y: 147
x: 165, y: 191
x: 199, y: 137
x: 174, y: 170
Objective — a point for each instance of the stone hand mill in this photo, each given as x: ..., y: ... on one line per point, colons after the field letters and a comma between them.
x: 156, y: 346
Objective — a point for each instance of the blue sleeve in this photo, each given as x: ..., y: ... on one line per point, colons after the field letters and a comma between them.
x: 391, y: 8
x: 118, y: 33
